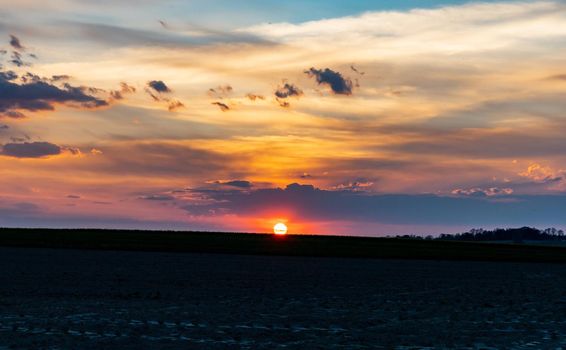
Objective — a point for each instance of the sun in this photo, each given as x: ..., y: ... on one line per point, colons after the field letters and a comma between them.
x: 280, y: 229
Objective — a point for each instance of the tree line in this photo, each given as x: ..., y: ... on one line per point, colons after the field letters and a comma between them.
x: 499, y: 234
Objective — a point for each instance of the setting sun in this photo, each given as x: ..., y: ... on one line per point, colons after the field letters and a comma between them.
x: 280, y: 229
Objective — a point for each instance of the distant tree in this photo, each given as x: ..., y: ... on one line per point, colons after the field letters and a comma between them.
x: 517, y: 235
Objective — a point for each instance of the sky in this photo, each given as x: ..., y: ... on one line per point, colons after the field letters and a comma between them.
x: 352, y: 118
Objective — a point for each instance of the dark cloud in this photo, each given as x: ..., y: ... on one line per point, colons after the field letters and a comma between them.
x: 15, y: 42
x: 311, y: 203
x: 337, y: 83
x: 17, y: 60
x: 4, y: 127
x: 35, y: 94
x: 32, y: 78
x: 17, y: 57
x: 156, y: 89
x: 8, y: 75
x: 30, y: 149
x: 56, y: 78
x: 158, y: 86
x: 224, y: 107
x: 73, y: 196
x: 288, y: 90
x: 236, y: 183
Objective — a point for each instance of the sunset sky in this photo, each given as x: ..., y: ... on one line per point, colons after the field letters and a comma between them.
x: 363, y: 118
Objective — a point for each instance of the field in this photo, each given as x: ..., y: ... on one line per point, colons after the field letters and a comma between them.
x: 268, y: 244
x: 101, y: 299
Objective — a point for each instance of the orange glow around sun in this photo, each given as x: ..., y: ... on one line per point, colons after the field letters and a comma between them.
x: 280, y: 229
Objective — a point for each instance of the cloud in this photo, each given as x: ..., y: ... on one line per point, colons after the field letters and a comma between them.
x: 235, y: 183
x: 73, y: 196
x: 163, y: 24
x: 15, y: 43
x: 8, y: 76
x: 61, y: 77
x: 157, y: 159
x: 30, y: 150
x: 221, y: 91
x: 111, y: 35
x: 310, y: 203
x: 337, y: 83
x: 174, y: 105
x: 159, y: 86
x: 115, y: 94
x: 17, y: 56
x: 223, y: 107
x: 356, y: 70
x: 483, y: 192
x: 239, y: 184
x: 158, y: 197
x: 17, y: 60
x: 542, y: 174
x: 253, y: 97
x: 38, y: 95
x: 288, y: 90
